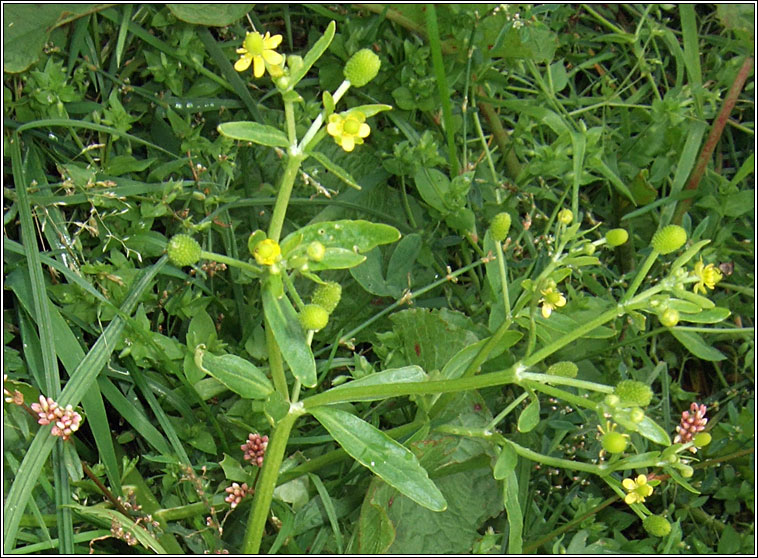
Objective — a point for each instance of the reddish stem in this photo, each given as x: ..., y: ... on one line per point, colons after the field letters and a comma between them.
x: 714, y: 136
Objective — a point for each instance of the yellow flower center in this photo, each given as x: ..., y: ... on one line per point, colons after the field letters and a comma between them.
x: 266, y: 252
x: 254, y: 43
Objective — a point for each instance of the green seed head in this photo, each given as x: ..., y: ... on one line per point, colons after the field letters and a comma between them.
x: 566, y: 369
x: 183, y: 250
x: 565, y: 216
x: 616, y: 237
x: 634, y: 392
x: 669, y: 318
x: 669, y: 239
x: 314, y: 317
x: 614, y: 442
x: 656, y: 525
x: 362, y: 67
x: 500, y: 226
x: 327, y: 296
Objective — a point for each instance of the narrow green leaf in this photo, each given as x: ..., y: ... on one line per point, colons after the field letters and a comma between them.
x: 107, y: 517
x: 331, y: 513
x: 290, y: 336
x: 239, y: 375
x: 710, y: 316
x: 529, y: 417
x: 253, y: 131
x: 318, y: 48
x: 695, y: 344
x: 335, y: 169
x: 651, y: 430
x: 122, y: 32
x: 506, y: 462
x: 513, y: 510
x: 385, y: 457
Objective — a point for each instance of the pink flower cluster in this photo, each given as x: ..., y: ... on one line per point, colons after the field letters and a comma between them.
x: 255, y: 448
x: 693, y: 421
x: 65, y: 421
x: 236, y: 493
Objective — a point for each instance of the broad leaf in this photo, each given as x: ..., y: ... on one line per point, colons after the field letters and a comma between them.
x: 239, y: 375
x: 385, y: 457
x: 357, y: 236
x: 529, y: 417
x: 254, y: 132
x: 695, y: 344
x: 216, y: 15
x: 290, y: 336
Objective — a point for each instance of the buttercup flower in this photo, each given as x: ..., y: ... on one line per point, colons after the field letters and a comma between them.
x: 267, y: 252
x: 348, y: 129
x: 709, y: 275
x: 258, y: 50
x: 551, y: 299
x: 638, y: 489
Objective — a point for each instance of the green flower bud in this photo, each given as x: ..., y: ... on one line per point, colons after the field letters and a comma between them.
x: 362, y: 67
x: 614, y: 442
x: 616, y: 237
x: 656, y: 525
x: 686, y: 471
x: 327, y: 296
x: 316, y: 251
x: 566, y: 369
x: 565, y: 216
x: 183, y: 250
x: 669, y: 318
x: 701, y: 439
x: 637, y: 415
x: 314, y: 317
x: 669, y: 239
x: 634, y: 392
x: 500, y: 226
x: 612, y: 400
x: 589, y: 249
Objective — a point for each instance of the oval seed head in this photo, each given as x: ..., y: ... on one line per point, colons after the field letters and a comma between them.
x: 362, y: 67
x: 316, y: 251
x: 614, y: 442
x: 327, y: 296
x: 500, y: 226
x: 656, y: 525
x: 669, y: 239
x: 314, y: 317
x: 616, y: 237
x: 566, y: 369
x: 670, y: 317
x: 634, y: 392
x: 183, y: 250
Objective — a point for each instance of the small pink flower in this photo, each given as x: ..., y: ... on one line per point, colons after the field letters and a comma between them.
x: 255, y: 448
x: 693, y: 421
x: 236, y: 494
x: 65, y: 421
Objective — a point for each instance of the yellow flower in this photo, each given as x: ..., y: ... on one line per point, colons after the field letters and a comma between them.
x: 267, y: 252
x: 637, y: 489
x: 708, y: 275
x: 348, y: 129
x: 258, y: 50
x: 551, y: 299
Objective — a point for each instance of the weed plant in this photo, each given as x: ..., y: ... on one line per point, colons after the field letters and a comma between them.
x: 378, y: 278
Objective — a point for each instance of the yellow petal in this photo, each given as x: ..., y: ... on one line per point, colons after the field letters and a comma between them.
x: 259, y: 66
x: 641, y: 479
x: 242, y: 50
x: 243, y: 63
x: 333, y: 129
x: 348, y: 144
x: 561, y: 301
x: 631, y: 498
x: 546, y: 310
x: 364, y: 130
x: 271, y: 42
x: 628, y: 484
x: 272, y: 57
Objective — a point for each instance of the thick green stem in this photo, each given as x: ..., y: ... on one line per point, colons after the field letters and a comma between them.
x: 289, y: 114
x: 275, y: 363
x: 234, y: 262
x: 640, y: 275
x: 264, y: 491
x: 283, y: 197
x: 563, y: 381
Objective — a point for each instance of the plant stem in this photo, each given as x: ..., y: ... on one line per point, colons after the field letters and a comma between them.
x: 264, y: 490
x: 503, y: 280
x: 275, y: 363
x: 289, y: 114
x: 563, y: 381
x: 234, y: 262
x: 283, y: 197
x: 641, y: 273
